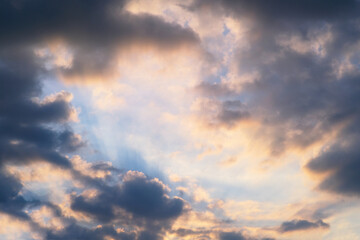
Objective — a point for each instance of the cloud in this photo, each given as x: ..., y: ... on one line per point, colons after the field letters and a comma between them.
x: 298, y: 225
x: 305, y: 58
x: 31, y: 130
x: 340, y: 163
x: 205, y: 233
x: 77, y: 232
x: 138, y: 202
x: 238, y: 236
x: 220, y: 113
x: 276, y: 10
x: 25, y: 132
x: 93, y: 32
x: 137, y: 195
x: 34, y: 128
x: 231, y: 236
x: 10, y: 200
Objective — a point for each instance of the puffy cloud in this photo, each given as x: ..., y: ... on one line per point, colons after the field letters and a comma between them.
x: 137, y: 195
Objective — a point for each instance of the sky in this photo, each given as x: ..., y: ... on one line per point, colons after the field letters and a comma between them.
x: 179, y: 119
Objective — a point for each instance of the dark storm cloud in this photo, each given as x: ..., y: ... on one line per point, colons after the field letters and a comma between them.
x: 183, y: 232
x: 297, y: 225
x: 149, y: 236
x: 306, y: 56
x: 10, y: 200
x: 238, y: 236
x: 30, y: 130
x: 204, y: 233
x: 94, y: 207
x: 24, y: 136
x: 148, y: 198
x: 94, y: 30
x: 76, y: 232
x: 231, y: 236
x: 139, y: 196
x: 274, y: 10
x: 137, y: 201
x: 341, y: 162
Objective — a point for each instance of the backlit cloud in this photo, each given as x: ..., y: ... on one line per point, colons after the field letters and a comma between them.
x: 196, y: 119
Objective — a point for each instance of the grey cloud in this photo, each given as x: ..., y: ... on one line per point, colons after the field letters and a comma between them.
x: 147, y: 198
x: 10, y: 201
x: 214, y: 89
x: 222, y: 112
x: 25, y: 131
x: 139, y: 196
x: 145, y: 235
x: 206, y: 233
x: 182, y: 232
x: 303, y: 93
x: 138, y: 202
x: 76, y: 232
x: 232, y: 112
x: 93, y: 29
x: 145, y: 210
x: 30, y: 130
x: 297, y: 225
x: 275, y: 10
x: 33, y: 130
x: 341, y: 163
x: 231, y: 236
x: 238, y: 236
